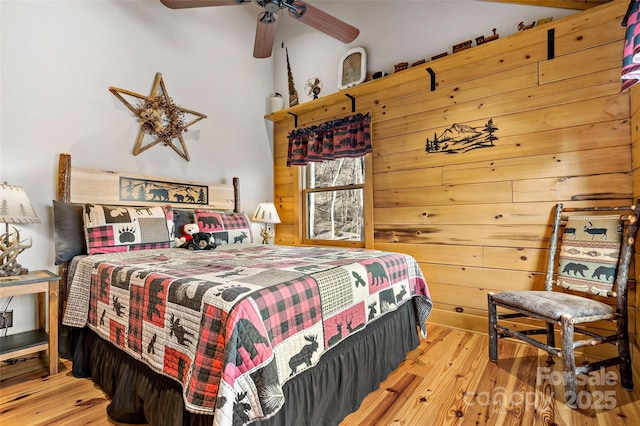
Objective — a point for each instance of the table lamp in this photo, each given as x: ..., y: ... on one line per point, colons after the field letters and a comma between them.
x: 266, y: 213
x: 15, y: 207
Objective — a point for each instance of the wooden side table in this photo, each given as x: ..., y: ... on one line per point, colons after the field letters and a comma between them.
x: 28, y: 342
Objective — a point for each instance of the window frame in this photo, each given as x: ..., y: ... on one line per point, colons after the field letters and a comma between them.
x: 367, y: 213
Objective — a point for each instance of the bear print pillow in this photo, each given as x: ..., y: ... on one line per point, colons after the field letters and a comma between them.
x: 225, y: 228
x: 120, y: 228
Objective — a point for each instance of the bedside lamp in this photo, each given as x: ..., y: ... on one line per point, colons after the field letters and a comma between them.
x: 266, y: 213
x: 15, y: 207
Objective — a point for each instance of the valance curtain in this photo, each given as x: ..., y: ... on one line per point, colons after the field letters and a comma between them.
x: 631, y: 52
x: 340, y: 138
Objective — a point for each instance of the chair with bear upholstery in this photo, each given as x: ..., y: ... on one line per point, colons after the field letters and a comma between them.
x: 588, y: 283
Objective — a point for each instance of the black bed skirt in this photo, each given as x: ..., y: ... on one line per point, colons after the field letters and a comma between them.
x: 322, y: 395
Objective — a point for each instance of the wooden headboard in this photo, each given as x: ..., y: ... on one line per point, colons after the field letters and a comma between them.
x: 79, y: 185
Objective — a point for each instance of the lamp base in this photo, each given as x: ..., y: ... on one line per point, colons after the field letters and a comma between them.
x: 10, y: 248
x: 266, y: 235
x: 12, y: 270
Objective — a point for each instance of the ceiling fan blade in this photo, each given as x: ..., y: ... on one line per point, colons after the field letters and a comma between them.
x: 324, y: 22
x: 265, y: 34
x: 185, y: 4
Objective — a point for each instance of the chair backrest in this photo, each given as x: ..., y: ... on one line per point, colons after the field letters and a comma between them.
x: 596, y: 249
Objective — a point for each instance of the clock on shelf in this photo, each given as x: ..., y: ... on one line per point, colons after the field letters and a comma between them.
x: 352, y: 68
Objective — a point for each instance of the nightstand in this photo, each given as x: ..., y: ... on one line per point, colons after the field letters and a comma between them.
x: 28, y: 342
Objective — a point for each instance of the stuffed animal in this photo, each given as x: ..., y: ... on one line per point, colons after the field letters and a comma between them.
x: 188, y: 231
x: 201, y: 241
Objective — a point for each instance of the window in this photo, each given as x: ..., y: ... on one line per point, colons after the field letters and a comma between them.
x: 334, y: 201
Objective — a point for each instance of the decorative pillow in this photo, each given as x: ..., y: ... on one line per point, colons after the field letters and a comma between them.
x: 68, y: 231
x: 120, y: 228
x: 589, y: 254
x: 225, y: 228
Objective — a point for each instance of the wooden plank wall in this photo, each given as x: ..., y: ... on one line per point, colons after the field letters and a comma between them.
x: 479, y: 221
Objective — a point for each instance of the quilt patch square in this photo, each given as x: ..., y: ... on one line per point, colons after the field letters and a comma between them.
x: 117, y: 333
x: 334, y: 298
x: 101, y: 236
x: 289, y: 308
x: 209, y: 356
x: 155, y: 299
x: 176, y: 364
x: 136, y: 301
x: 208, y: 221
x: 235, y: 221
x: 152, y: 229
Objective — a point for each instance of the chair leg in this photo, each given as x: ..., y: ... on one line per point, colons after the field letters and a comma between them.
x: 551, y: 341
x: 569, y: 362
x: 493, y: 332
x: 626, y: 374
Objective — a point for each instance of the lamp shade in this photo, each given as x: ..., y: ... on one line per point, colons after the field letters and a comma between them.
x: 15, y: 206
x: 266, y: 213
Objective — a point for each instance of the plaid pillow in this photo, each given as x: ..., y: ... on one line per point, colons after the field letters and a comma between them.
x: 119, y: 228
x: 589, y: 254
x: 225, y: 228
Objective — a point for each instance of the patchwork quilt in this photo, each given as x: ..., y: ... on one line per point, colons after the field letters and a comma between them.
x: 232, y: 325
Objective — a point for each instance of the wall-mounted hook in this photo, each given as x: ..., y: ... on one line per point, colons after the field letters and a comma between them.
x: 353, y: 101
x: 551, y: 50
x: 433, y: 78
x: 295, y: 119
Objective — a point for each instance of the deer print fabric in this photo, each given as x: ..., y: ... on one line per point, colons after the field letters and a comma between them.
x: 233, y: 325
x: 589, y: 254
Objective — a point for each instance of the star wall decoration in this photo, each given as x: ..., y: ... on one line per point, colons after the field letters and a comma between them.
x: 159, y: 117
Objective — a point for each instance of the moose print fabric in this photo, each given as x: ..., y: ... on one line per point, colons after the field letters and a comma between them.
x: 117, y: 228
x: 234, y: 324
x: 589, y: 254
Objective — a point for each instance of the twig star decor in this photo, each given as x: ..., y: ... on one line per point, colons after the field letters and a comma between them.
x: 159, y: 117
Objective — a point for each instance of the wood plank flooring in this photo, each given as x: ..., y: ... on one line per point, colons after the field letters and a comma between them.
x: 447, y: 380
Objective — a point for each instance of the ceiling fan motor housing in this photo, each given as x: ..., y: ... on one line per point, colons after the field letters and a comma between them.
x: 271, y: 6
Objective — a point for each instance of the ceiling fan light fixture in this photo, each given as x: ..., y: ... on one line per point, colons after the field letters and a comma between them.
x: 267, y: 18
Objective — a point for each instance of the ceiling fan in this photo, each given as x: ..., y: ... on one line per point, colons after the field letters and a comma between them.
x: 268, y: 20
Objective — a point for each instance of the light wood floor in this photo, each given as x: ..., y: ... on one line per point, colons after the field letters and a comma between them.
x: 446, y: 380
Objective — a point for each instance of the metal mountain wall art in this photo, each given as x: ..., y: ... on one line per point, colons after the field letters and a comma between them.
x: 133, y: 189
x: 461, y: 138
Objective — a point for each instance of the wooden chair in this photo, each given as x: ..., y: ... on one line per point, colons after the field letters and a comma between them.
x: 594, y: 258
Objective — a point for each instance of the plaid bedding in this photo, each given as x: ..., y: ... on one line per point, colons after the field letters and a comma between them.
x: 232, y: 325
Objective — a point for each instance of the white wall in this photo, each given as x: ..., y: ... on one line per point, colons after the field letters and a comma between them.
x: 58, y: 58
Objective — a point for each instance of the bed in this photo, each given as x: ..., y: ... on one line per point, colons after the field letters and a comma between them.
x: 243, y: 334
